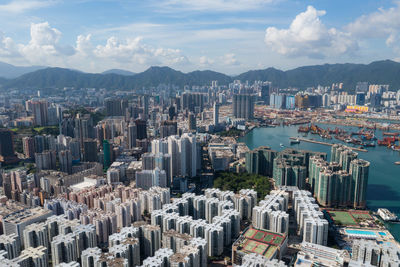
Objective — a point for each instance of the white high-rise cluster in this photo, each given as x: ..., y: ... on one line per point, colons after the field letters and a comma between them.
x: 148, y: 178
x: 206, y: 217
x: 270, y: 214
x: 243, y: 202
x: 183, y: 151
x: 373, y: 253
x: 69, y: 247
x: 257, y: 260
x: 192, y: 253
x: 312, y: 225
x: 70, y: 209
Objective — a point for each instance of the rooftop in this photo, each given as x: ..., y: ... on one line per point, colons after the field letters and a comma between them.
x: 261, y: 242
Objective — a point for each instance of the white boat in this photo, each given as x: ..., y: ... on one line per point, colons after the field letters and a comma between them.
x: 386, y: 215
x: 295, y: 141
x: 281, y: 145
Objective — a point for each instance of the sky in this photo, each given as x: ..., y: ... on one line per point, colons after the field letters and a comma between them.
x: 229, y: 36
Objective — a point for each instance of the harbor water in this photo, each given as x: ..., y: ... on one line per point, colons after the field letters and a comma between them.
x: 384, y: 176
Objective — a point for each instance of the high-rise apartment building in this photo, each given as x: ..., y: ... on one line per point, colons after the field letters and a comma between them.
x: 193, y: 102
x: 141, y: 126
x: 216, y: 114
x: 65, y: 158
x: 184, y: 154
x: 132, y: 135
x: 45, y: 160
x: 243, y: 106
x: 90, y: 150
x: 149, y: 178
x: 28, y: 145
x: 39, y: 110
x: 260, y: 161
x: 115, y: 107
x: 168, y: 128
x: 7, y: 153
x: 192, y: 125
x: 359, y: 170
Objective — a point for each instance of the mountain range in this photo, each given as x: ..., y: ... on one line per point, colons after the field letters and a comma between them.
x: 378, y: 72
x: 119, y: 72
x: 9, y: 71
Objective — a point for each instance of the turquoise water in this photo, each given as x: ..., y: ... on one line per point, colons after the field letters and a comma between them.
x: 384, y: 179
x: 359, y: 232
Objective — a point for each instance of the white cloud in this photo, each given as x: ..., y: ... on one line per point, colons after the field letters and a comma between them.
x: 378, y: 24
x: 44, y: 48
x: 7, y: 46
x: 308, y: 36
x: 384, y: 23
x: 215, y: 5
x: 84, y: 45
x: 230, y: 59
x: 43, y: 34
x: 205, y: 61
x: 133, y: 50
x: 20, y: 6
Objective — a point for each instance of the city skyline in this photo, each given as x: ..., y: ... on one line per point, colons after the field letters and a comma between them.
x: 228, y: 36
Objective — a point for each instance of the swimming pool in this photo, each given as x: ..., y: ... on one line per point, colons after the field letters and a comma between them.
x: 382, y: 233
x: 360, y: 232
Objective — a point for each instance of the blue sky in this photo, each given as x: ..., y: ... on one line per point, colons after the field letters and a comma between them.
x: 229, y: 36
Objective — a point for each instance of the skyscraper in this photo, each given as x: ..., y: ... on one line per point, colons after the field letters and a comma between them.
x: 132, y: 135
x: 65, y: 158
x: 90, y: 150
x: 359, y: 170
x: 193, y: 102
x: 192, y: 122
x: 39, y: 110
x: 264, y: 93
x: 145, y: 106
x: 183, y: 151
x: 29, y: 147
x: 45, y: 160
x: 141, y: 126
x: 113, y: 107
x: 107, y: 150
x: 148, y: 178
x: 83, y: 127
x: 260, y: 161
x: 168, y: 128
x: 243, y: 106
x: 216, y: 114
x: 7, y: 154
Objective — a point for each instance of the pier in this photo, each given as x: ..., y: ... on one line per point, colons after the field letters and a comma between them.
x: 325, y: 143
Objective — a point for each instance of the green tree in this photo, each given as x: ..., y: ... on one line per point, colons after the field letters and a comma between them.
x: 238, y: 181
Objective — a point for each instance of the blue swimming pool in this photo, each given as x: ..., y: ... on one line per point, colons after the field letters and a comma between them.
x: 382, y: 233
x: 359, y: 232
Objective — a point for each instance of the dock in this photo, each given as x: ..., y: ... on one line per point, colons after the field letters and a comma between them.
x: 325, y: 143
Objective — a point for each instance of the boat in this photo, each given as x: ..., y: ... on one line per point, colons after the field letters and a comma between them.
x: 391, y: 134
x: 294, y: 141
x: 387, y: 216
x: 281, y: 145
x: 371, y: 144
x: 397, y: 163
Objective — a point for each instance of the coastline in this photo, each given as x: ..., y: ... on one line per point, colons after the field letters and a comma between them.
x: 382, y: 182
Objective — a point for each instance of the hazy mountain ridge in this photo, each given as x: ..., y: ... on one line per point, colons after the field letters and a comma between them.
x: 9, y: 71
x: 119, y: 72
x: 379, y: 72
